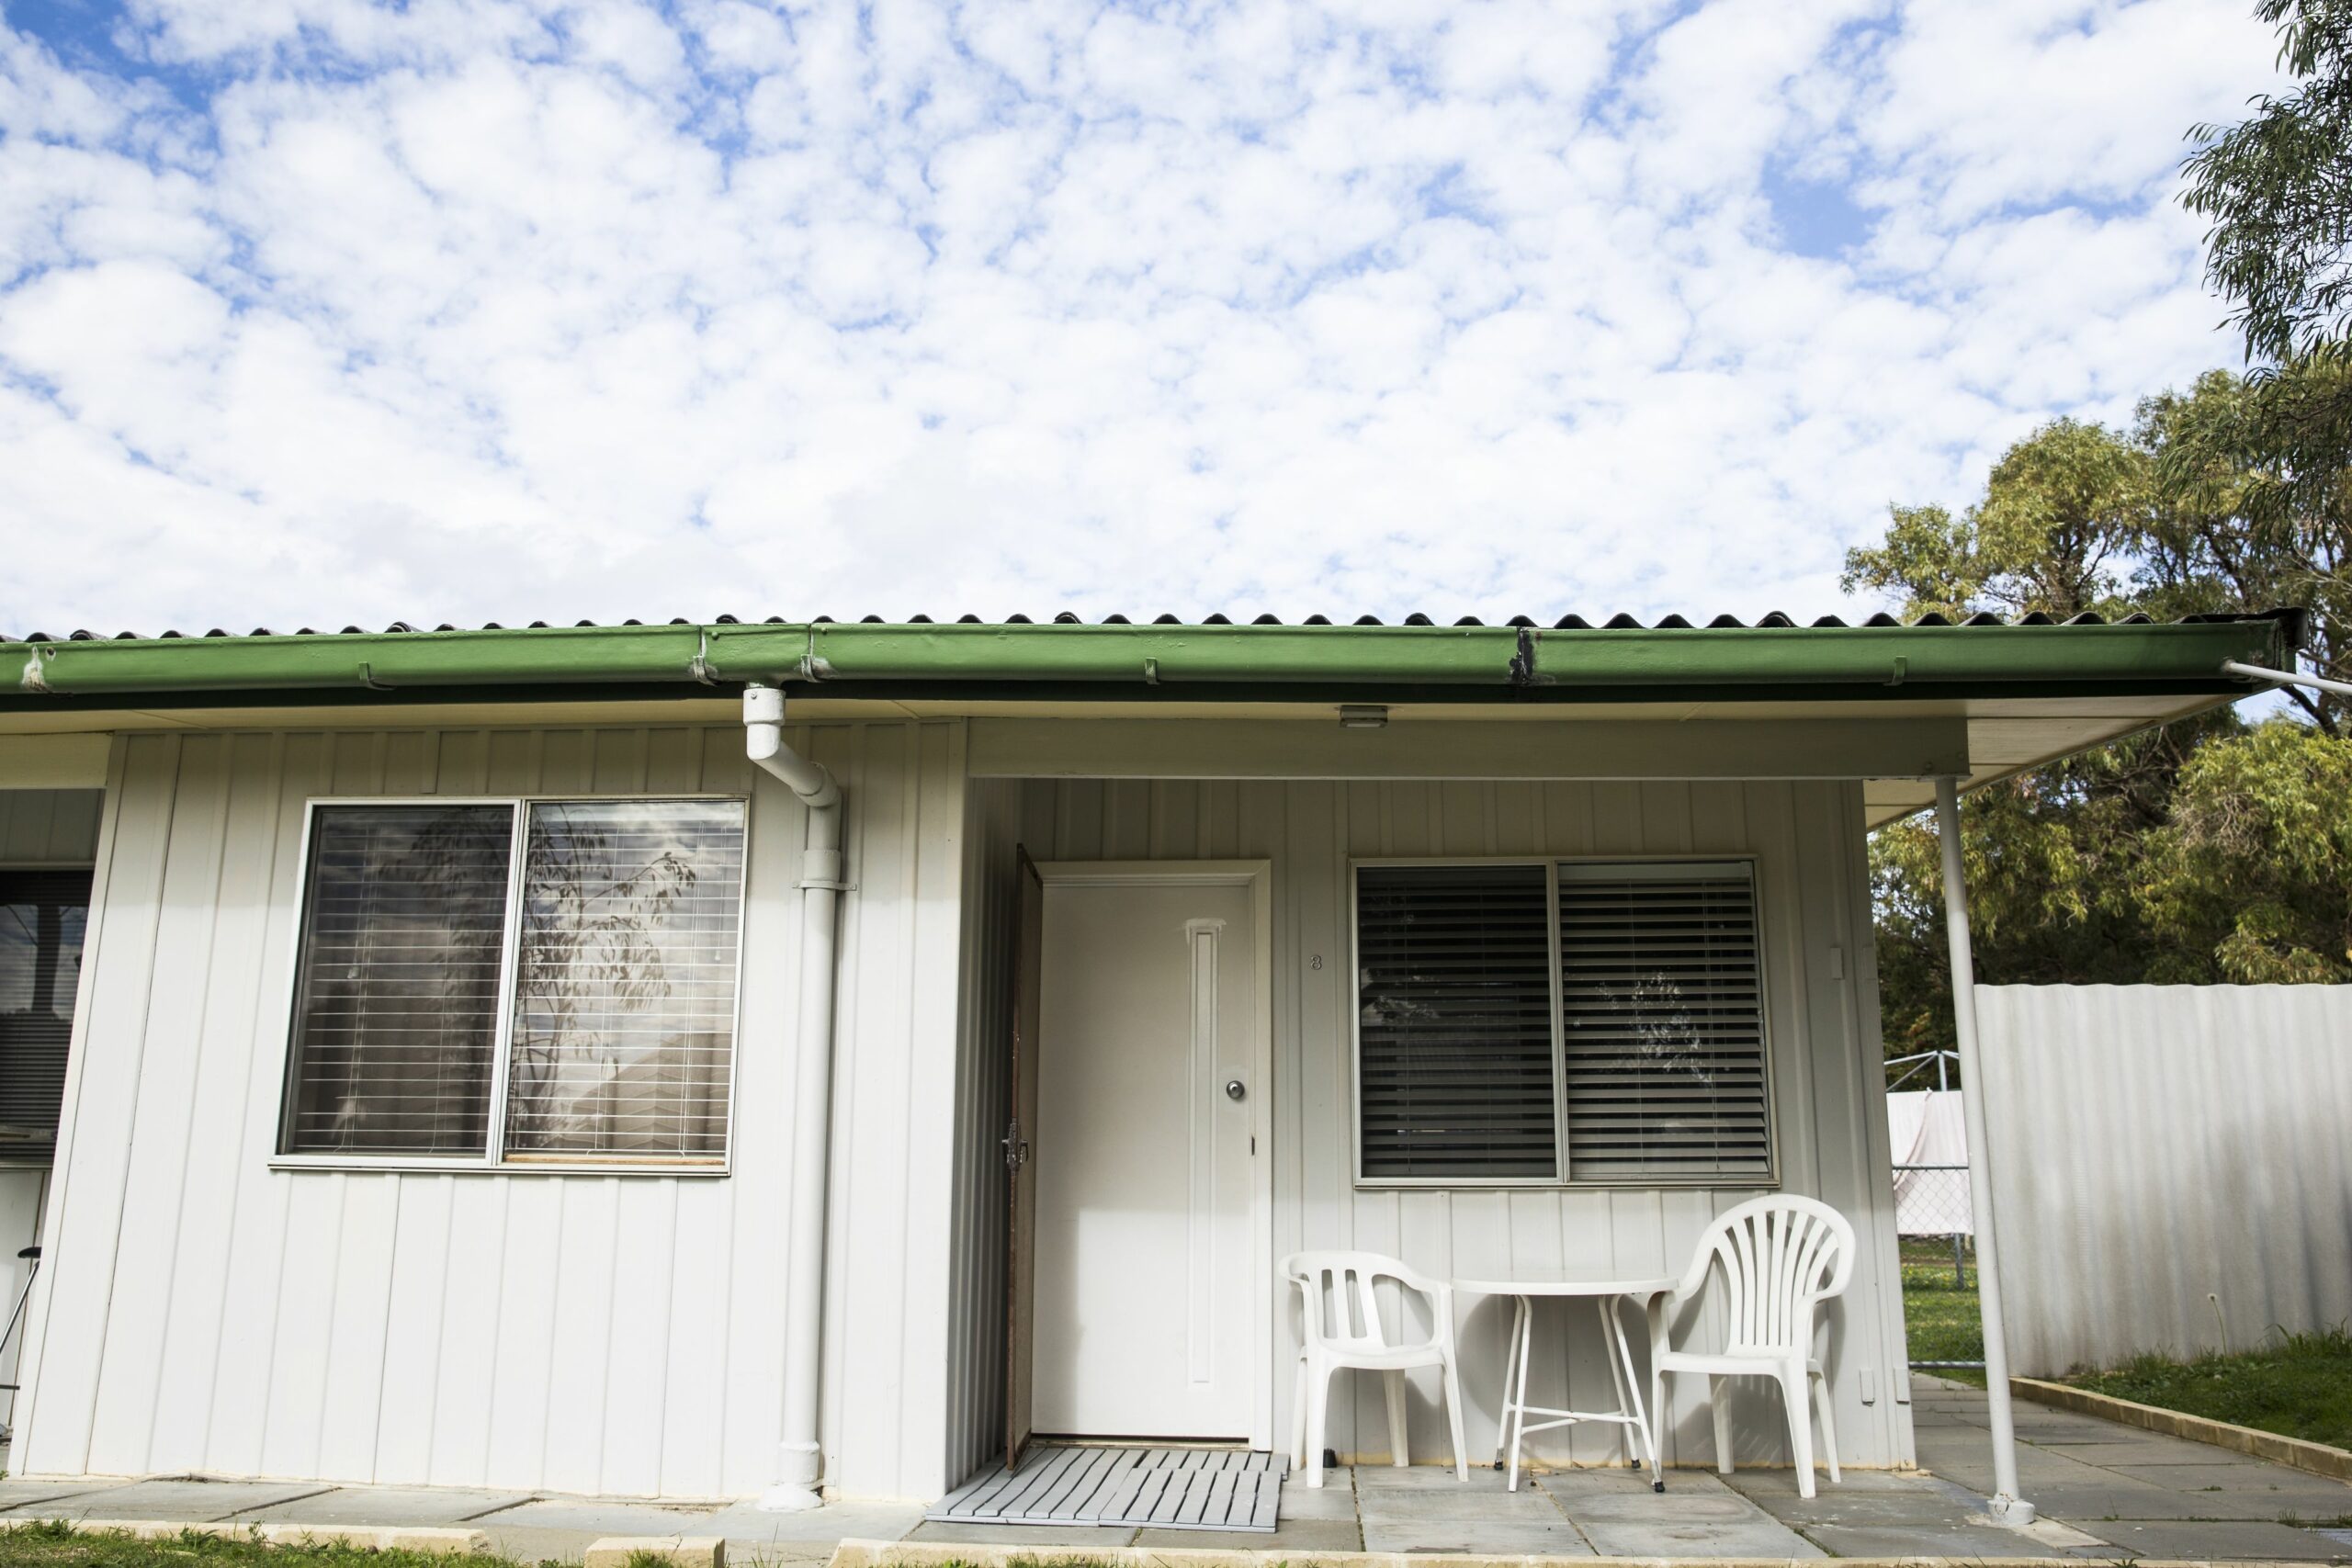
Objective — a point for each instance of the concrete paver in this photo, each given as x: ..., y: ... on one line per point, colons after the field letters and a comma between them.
x: 2097, y: 1483
x: 386, y: 1506
x: 2225, y: 1540
x: 30, y: 1494
x: 194, y: 1502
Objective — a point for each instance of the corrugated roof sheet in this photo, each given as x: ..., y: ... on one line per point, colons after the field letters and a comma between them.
x: 1566, y: 623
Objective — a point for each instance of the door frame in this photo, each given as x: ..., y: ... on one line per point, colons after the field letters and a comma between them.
x: 1258, y: 876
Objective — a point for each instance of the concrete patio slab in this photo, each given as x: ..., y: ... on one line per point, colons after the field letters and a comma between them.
x: 743, y: 1524
x: 386, y: 1506
x: 1964, y: 1541
x: 14, y: 1494
x: 2233, y: 1538
x: 179, y: 1498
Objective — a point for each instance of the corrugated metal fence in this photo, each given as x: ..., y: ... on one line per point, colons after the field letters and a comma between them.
x: 2172, y: 1164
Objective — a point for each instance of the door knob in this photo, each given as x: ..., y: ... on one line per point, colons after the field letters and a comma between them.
x: 1236, y: 1089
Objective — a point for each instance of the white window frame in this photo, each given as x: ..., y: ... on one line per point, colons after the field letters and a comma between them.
x: 1765, y: 1181
x: 493, y: 1160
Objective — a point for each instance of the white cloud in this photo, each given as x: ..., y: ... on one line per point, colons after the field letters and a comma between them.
x: 329, y: 312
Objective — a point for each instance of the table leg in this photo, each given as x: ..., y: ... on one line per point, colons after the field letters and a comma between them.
x: 1606, y: 1306
x: 1526, y: 1316
x: 1633, y: 1381
x: 1510, y: 1371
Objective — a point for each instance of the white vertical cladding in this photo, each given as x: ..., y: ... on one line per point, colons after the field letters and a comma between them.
x: 617, y: 1334
x: 1827, y: 1093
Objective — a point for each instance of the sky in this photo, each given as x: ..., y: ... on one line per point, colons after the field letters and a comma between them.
x: 315, y: 312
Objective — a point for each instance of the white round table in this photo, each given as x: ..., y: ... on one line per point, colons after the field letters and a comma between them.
x: 1605, y: 1295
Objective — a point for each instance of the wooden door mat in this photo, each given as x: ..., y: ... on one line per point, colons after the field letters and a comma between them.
x: 1184, y: 1489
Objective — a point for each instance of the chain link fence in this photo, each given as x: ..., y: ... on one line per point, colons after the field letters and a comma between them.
x: 1936, y: 1221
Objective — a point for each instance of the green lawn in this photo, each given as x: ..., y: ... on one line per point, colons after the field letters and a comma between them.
x: 55, y: 1546
x: 1938, y: 1311
x: 2299, y: 1385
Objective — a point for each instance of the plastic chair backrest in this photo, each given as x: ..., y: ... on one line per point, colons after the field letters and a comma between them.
x: 1781, y: 1258
x: 1342, y: 1314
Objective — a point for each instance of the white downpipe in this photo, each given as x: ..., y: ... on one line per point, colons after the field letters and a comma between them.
x: 804, y: 1296
x: 2008, y: 1506
x: 2288, y: 677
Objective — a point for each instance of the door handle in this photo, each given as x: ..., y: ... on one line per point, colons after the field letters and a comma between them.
x: 1236, y: 1089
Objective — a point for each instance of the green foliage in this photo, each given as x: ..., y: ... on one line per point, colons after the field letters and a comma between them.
x: 2201, y: 852
x: 2255, y: 477
x: 59, y: 1545
x: 2299, y: 1385
x: 2061, y: 510
x: 2255, y: 863
x: 2277, y: 191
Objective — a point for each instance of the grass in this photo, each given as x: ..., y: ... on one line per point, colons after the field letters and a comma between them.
x: 2299, y: 1385
x: 1940, y: 1312
x: 60, y: 1546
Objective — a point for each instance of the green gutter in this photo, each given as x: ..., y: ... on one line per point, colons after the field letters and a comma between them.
x: 1469, y: 662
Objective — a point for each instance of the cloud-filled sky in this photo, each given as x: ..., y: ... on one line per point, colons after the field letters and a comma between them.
x: 314, y: 311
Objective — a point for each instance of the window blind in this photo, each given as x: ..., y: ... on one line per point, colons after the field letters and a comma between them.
x: 624, y: 1034
x: 1662, y: 1009
x: 396, y: 995
x: 1454, y: 1045
x: 42, y: 918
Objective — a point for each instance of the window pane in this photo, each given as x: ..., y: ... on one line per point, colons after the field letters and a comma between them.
x: 624, y: 1006
x: 41, y: 917
x: 1454, y: 1063
x: 396, y: 1001
x: 1665, y: 1022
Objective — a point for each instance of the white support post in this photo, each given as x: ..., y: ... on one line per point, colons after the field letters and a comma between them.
x: 2008, y: 1506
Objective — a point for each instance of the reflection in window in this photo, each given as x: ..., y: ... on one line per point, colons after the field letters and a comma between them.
x: 625, y: 1001
x: 396, y: 1001
x: 43, y: 914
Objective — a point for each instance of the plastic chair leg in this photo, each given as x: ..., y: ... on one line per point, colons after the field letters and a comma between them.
x: 1721, y: 1415
x: 1453, y: 1383
x: 1794, y: 1398
x: 1821, y: 1402
x: 1298, y: 1417
x: 1398, y: 1454
x: 1318, y: 1395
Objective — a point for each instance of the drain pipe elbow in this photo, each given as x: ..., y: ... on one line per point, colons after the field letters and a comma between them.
x: 801, y: 1464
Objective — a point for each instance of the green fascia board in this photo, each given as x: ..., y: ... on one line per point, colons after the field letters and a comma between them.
x: 1467, y: 663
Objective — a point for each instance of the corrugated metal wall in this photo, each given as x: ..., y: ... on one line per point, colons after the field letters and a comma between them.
x: 38, y: 827
x: 588, y: 1334
x: 1827, y: 1087
x: 2154, y: 1148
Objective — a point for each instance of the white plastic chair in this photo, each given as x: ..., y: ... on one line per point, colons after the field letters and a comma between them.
x: 1781, y: 1258
x: 1341, y: 1329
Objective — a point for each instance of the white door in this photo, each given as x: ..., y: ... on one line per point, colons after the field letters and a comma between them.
x: 1144, y: 1180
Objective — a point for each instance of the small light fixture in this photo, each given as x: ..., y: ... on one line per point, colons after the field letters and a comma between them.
x: 1362, y: 716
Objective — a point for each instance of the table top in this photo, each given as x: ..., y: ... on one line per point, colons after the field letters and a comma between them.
x: 1567, y: 1287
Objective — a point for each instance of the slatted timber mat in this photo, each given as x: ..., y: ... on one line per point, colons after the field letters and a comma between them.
x: 1184, y: 1489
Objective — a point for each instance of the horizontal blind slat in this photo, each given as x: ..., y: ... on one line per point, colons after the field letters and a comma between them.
x: 1662, y: 1016
x: 1454, y: 1074
x: 396, y: 990
x: 624, y: 1027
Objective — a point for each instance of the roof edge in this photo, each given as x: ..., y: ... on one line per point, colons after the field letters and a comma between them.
x: 1528, y: 660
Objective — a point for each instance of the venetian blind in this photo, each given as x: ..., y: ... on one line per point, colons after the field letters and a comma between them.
x: 41, y: 917
x: 1663, y: 1021
x: 623, y: 1036
x: 396, y: 996
x: 1454, y: 1045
